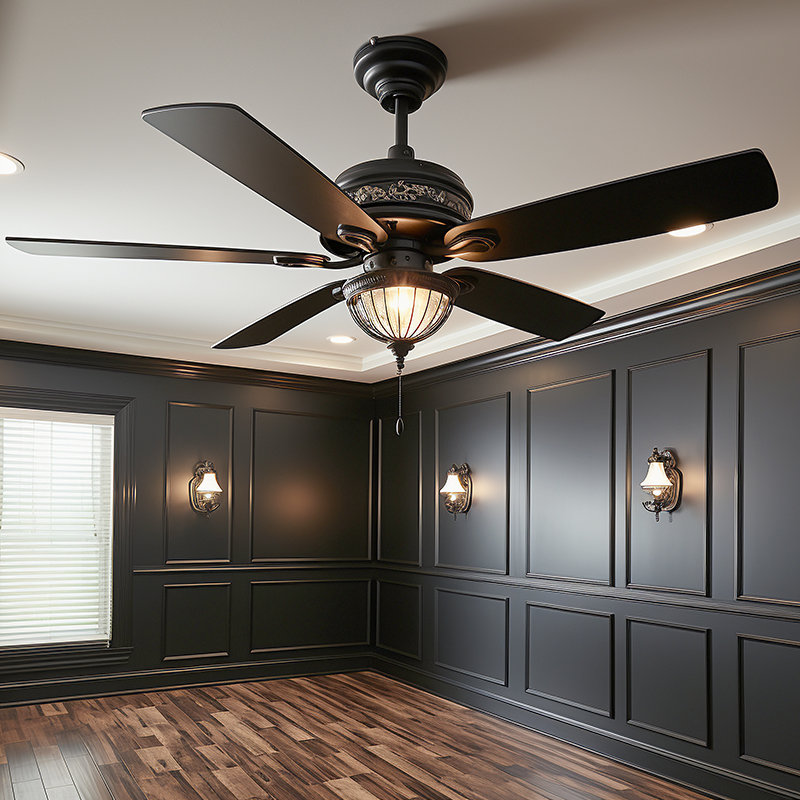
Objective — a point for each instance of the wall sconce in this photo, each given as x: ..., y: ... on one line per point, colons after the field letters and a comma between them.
x: 664, y: 481
x: 457, y: 490
x: 204, y: 491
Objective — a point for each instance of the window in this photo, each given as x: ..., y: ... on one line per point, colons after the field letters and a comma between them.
x: 56, y: 526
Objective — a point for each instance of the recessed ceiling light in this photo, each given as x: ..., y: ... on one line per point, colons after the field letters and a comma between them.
x: 692, y: 230
x: 341, y: 339
x: 10, y: 165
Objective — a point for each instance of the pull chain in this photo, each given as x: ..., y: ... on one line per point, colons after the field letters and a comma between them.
x: 400, y: 350
x: 399, y: 425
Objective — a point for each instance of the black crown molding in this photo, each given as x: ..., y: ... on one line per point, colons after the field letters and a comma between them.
x: 167, y: 368
x: 737, y: 294
x: 752, y: 290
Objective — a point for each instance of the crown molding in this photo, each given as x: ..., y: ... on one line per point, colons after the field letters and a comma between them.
x: 737, y: 294
x: 168, y: 368
x: 741, y: 293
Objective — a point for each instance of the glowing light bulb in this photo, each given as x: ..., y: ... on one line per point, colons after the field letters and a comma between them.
x: 692, y: 230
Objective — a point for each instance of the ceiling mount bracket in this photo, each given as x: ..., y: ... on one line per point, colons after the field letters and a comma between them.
x: 399, y: 66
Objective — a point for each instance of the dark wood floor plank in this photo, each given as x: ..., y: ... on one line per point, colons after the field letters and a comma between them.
x: 87, y: 778
x: 6, y: 792
x: 62, y: 793
x: 29, y: 790
x: 22, y: 762
x: 52, y: 767
x: 71, y: 744
x: 120, y: 782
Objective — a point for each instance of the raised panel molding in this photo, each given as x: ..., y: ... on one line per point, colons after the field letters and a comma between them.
x: 477, y: 433
x: 571, y: 442
x: 400, y: 492
x: 768, y: 547
x: 670, y: 555
x: 769, y: 714
x: 311, y: 487
x: 195, y: 433
x: 196, y: 620
x: 308, y: 614
x: 668, y: 679
x: 570, y: 656
x: 399, y: 618
x: 471, y: 634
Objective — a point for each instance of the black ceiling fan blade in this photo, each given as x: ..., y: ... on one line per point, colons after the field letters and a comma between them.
x: 522, y: 305
x: 233, y: 141
x: 285, y: 318
x: 171, y: 252
x: 645, y: 205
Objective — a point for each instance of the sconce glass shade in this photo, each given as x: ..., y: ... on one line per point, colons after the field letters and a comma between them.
x: 457, y: 489
x: 452, y: 485
x: 656, y: 478
x: 209, y: 484
x: 393, y: 305
x: 204, y: 489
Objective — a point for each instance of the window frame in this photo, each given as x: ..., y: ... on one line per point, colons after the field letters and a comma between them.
x: 37, y: 657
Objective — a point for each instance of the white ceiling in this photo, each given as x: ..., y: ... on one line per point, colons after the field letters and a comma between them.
x: 543, y: 97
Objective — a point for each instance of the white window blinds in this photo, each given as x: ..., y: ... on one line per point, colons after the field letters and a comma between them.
x: 56, y: 510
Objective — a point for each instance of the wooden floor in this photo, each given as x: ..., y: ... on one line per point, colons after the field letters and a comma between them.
x: 339, y: 737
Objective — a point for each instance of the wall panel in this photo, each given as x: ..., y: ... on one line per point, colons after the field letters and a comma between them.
x: 668, y: 679
x: 668, y: 409
x: 472, y: 634
x: 196, y: 620
x: 311, y: 490
x: 399, y: 618
x: 197, y: 433
x: 770, y: 702
x: 571, y: 656
x: 400, y: 492
x: 769, y: 443
x: 571, y: 447
x: 296, y: 615
x: 475, y: 433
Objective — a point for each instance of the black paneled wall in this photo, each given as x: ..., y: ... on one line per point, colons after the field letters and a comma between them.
x: 277, y: 581
x: 558, y: 601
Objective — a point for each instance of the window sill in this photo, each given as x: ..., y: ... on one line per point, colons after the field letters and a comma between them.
x: 36, y: 658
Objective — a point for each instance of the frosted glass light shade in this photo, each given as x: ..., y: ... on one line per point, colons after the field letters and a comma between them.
x: 452, y: 485
x: 656, y: 477
x: 400, y: 305
x: 209, y: 484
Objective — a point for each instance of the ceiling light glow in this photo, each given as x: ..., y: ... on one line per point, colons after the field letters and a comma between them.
x: 341, y: 339
x: 10, y: 165
x: 692, y: 230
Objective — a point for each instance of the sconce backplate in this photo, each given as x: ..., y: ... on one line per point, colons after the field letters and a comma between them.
x: 670, y: 498
x: 198, y: 503
x: 460, y: 503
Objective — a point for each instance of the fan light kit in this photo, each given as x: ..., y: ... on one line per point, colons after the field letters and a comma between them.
x: 398, y: 217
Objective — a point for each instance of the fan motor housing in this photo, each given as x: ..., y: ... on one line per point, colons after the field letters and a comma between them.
x: 410, y: 196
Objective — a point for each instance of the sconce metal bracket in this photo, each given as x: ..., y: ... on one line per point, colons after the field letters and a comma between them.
x: 670, y: 498
x: 203, y: 505
x: 460, y: 503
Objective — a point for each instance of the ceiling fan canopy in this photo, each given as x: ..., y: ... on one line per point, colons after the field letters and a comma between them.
x: 398, y: 217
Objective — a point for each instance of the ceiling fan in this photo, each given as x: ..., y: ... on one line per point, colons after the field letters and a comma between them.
x: 398, y: 217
